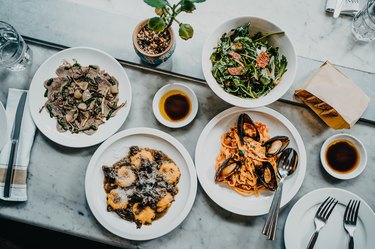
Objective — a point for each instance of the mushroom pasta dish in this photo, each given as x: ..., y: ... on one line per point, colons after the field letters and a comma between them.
x: 81, y: 98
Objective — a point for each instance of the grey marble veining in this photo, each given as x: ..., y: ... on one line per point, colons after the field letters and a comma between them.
x: 56, y: 173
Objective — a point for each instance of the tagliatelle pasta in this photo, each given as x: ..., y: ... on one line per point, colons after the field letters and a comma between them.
x: 239, y: 162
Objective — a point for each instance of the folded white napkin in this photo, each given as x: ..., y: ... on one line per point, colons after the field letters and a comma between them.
x: 18, y: 190
x: 349, y: 7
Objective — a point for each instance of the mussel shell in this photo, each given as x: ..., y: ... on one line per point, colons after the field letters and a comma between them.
x: 245, y: 119
x: 227, y: 168
x: 281, y: 142
x: 259, y: 171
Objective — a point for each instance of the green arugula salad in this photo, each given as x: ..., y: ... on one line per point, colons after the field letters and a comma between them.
x: 247, y: 66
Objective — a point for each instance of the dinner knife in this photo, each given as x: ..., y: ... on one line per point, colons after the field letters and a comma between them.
x: 338, y: 7
x: 15, y: 135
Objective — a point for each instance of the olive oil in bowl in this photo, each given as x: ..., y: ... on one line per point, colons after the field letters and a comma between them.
x: 175, y: 105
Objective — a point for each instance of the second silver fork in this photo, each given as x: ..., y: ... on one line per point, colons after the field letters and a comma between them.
x: 350, y: 219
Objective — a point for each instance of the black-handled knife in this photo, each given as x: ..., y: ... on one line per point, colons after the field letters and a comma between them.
x: 15, y: 135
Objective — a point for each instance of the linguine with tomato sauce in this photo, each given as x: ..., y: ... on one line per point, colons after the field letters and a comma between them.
x: 243, y: 158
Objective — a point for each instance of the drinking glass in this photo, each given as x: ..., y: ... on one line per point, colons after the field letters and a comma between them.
x: 363, y: 26
x: 14, y: 53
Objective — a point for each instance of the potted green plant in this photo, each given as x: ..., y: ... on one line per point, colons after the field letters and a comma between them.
x: 153, y: 39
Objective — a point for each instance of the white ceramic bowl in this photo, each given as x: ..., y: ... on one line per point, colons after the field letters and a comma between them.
x: 362, y: 154
x: 180, y: 87
x: 256, y: 25
x: 3, y: 126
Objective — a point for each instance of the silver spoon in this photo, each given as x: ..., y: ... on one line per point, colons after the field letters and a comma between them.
x: 287, y: 165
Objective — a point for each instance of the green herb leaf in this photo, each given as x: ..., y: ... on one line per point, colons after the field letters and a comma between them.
x: 156, y: 3
x: 156, y: 24
x: 186, y: 31
x: 265, y: 80
x: 49, y: 82
x: 49, y: 108
x: 112, y: 82
x: 187, y: 6
x: 198, y: 1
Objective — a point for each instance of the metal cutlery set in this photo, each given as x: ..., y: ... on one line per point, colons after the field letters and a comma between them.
x: 15, y: 135
x: 342, y: 7
x: 287, y: 166
x: 324, y: 212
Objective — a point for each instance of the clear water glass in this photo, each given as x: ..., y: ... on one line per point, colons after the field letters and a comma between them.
x: 15, y: 55
x: 363, y: 26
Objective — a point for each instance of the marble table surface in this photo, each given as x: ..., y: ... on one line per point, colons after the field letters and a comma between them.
x: 56, y: 198
x: 315, y: 34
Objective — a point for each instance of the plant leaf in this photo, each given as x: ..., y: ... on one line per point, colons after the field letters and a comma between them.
x: 156, y: 24
x: 186, y: 31
x: 156, y: 3
x: 198, y: 1
x: 187, y: 6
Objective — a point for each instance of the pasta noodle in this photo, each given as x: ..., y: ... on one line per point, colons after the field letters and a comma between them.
x: 243, y: 159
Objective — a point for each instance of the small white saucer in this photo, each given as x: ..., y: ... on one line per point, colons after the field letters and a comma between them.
x: 362, y: 154
x: 3, y: 126
x: 180, y: 87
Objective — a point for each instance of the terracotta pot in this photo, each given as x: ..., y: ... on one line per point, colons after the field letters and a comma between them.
x: 153, y: 59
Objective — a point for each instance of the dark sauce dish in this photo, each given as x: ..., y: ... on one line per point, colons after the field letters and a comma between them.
x: 343, y: 156
x: 175, y: 105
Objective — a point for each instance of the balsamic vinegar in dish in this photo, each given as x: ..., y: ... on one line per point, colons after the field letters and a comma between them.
x: 175, y: 106
x: 141, y: 186
x: 342, y: 156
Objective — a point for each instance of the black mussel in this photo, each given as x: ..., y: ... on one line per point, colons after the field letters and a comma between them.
x: 276, y: 145
x: 245, y: 119
x: 227, y: 168
x: 266, y: 175
x: 288, y: 160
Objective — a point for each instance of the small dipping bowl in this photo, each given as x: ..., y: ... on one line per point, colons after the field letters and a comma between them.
x: 360, y: 151
x: 3, y: 126
x: 172, y: 90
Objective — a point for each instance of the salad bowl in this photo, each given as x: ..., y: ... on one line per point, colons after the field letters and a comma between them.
x: 285, y: 53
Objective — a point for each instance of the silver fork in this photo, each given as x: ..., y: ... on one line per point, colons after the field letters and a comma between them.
x: 321, y: 217
x: 350, y: 219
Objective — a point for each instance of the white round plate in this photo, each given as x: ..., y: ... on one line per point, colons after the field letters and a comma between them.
x: 115, y: 148
x: 362, y: 156
x: 299, y: 225
x: 3, y: 126
x: 84, y: 56
x: 208, y: 147
x: 256, y: 25
x: 183, y: 88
